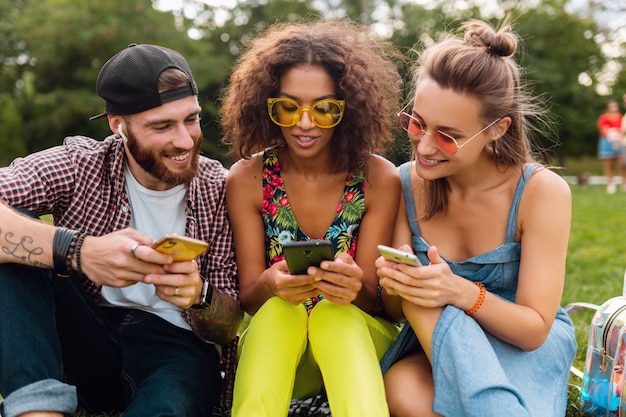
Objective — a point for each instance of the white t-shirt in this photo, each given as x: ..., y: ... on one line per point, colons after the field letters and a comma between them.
x: 155, y: 213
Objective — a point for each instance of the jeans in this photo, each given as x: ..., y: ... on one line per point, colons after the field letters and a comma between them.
x: 59, y: 349
x: 479, y: 375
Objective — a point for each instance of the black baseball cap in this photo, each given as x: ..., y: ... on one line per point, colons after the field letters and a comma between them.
x: 128, y: 82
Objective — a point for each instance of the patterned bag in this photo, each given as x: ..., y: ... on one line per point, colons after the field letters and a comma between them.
x: 603, y: 391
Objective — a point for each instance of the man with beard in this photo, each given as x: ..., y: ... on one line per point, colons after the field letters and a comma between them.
x: 90, y: 314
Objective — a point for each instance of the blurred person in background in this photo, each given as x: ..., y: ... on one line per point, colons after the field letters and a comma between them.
x: 610, y: 145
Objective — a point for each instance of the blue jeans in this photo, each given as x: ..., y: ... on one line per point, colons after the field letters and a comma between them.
x: 59, y: 349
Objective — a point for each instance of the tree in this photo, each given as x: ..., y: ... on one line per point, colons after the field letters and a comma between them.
x: 557, y: 48
x: 51, y: 52
x: 58, y: 49
x: 560, y: 48
x: 12, y: 125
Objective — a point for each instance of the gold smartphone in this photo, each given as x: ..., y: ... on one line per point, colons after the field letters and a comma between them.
x: 181, y: 248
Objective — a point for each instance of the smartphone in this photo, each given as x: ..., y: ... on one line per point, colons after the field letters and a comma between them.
x: 398, y: 256
x: 302, y: 254
x: 181, y: 248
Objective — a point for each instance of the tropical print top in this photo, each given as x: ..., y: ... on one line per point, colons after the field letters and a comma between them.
x: 281, y: 225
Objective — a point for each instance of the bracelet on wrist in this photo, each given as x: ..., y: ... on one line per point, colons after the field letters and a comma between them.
x: 479, y: 302
x: 70, y: 253
x: 79, y: 246
x: 63, y: 246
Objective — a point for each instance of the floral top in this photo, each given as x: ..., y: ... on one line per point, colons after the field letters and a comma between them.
x: 281, y: 225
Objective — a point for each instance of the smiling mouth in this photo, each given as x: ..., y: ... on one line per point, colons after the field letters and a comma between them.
x: 430, y: 161
x: 180, y: 157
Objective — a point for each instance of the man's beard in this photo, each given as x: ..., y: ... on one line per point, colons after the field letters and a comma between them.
x: 152, y: 164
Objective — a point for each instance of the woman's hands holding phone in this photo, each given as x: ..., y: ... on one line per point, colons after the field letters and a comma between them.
x: 433, y: 285
x: 338, y: 281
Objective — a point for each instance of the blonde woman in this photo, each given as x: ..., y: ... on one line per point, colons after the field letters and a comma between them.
x: 485, y: 335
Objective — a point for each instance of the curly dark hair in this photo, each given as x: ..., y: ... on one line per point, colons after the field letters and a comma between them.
x: 363, y: 67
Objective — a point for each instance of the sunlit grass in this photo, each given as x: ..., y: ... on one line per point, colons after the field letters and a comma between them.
x: 596, y: 261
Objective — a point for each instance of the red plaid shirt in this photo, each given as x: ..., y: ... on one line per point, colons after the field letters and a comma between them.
x: 81, y: 183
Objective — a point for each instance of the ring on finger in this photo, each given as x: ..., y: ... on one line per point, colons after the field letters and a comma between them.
x: 133, y: 249
x: 176, y: 292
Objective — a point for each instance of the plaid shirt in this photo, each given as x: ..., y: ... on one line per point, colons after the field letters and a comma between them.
x: 81, y: 183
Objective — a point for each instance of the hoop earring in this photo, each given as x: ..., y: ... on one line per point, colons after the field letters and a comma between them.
x: 497, y: 157
x: 494, y: 149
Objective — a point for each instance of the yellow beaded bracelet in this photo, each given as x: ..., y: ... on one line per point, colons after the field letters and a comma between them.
x: 480, y: 301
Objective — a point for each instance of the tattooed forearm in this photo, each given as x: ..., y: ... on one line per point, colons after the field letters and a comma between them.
x: 22, y: 249
x: 218, y: 323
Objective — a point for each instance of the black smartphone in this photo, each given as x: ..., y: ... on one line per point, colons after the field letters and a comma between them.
x: 398, y: 256
x: 302, y: 254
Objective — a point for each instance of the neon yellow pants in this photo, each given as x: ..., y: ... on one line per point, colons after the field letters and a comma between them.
x: 287, y: 354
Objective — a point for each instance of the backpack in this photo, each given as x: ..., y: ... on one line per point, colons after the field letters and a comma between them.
x: 602, y: 391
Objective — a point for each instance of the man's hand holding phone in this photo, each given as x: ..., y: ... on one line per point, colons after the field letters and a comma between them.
x: 180, y: 248
x: 182, y: 284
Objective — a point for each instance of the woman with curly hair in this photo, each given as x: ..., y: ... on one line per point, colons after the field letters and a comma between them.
x: 485, y: 334
x: 306, y: 108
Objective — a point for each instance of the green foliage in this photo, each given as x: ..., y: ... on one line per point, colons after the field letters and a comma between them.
x: 554, y: 37
x: 59, y: 48
x: 556, y: 48
x: 11, y: 129
x: 51, y: 52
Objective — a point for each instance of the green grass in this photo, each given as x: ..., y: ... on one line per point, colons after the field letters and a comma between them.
x: 596, y: 260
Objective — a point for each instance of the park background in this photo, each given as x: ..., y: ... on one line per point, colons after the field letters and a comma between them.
x: 52, y: 50
x: 573, y: 54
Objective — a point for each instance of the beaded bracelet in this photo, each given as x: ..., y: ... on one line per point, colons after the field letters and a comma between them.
x: 480, y: 301
x: 70, y: 252
x: 79, y: 246
x: 63, y: 246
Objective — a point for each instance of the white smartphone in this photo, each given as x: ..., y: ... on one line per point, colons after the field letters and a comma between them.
x: 398, y: 256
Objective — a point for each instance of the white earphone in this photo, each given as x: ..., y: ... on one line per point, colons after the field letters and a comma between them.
x: 121, y: 132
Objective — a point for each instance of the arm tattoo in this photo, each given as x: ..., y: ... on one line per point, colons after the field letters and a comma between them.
x: 22, y: 249
x: 218, y: 323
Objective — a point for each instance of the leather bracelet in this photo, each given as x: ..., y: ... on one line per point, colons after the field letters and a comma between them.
x: 480, y: 301
x: 63, y: 245
x: 60, y: 245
